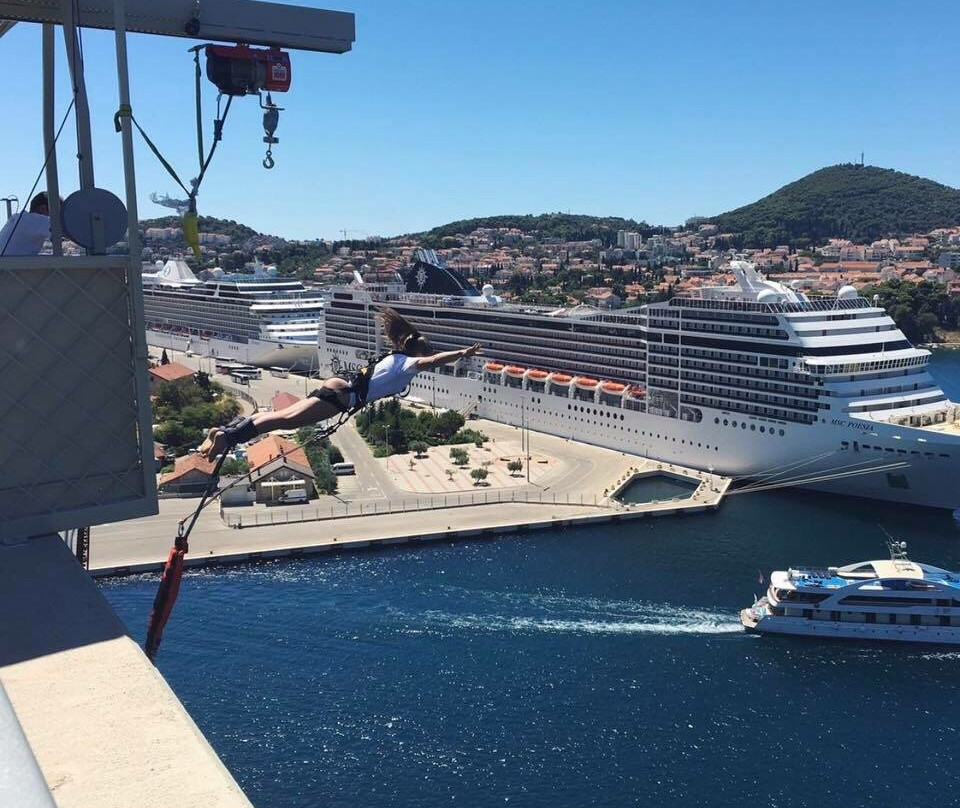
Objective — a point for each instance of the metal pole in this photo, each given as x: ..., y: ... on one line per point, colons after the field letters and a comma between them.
x: 53, y: 181
x: 75, y: 61
x: 527, y: 457
x: 133, y: 229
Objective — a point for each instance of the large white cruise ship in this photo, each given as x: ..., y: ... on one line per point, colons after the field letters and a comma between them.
x: 754, y: 380
x: 256, y: 318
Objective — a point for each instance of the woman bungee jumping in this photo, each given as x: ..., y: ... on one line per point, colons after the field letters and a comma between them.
x: 337, y: 395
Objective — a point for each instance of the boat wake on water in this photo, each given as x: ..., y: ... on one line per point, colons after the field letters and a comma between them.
x: 520, y: 614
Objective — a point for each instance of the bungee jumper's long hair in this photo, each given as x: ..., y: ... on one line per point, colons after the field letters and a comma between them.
x: 404, y: 337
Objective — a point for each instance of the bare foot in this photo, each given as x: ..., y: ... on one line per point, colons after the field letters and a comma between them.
x: 215, y: 443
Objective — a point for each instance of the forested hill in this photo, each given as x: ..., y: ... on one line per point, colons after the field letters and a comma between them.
x: 861, y: 203
x: 563, y: 226
x: 208, y: 224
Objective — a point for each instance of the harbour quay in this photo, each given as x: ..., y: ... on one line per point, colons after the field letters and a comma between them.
x: 142, y: 545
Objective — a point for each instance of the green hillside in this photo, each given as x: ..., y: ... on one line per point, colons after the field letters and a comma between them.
x: 861, y: 203
x: 563, y: 226
x: 208, y: 224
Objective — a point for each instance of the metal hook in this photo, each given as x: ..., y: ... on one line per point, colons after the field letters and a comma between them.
x: 268, y: 160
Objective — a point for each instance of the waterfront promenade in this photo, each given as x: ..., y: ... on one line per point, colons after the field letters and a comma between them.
x: 143, y: 544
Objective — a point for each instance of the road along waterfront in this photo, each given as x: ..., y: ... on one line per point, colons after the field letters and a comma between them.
x: 142, y: 545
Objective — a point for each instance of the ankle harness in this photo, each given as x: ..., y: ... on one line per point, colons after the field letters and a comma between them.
x: 241, y: 433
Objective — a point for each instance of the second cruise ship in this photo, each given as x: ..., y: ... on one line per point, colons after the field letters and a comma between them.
x: 252, y: 317
x: 753, y: 380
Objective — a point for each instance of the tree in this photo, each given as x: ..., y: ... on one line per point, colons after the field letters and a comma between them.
x: 449, y: 473
x: 418, y: 447
x: 318, y: 455
x: 459, y: 456
x: 515, y: 467
x: 448, y: 424
x: 234, y: 467
x: 927, y: 323
x: 479, y: 475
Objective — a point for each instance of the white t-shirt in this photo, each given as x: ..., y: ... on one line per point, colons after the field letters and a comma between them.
x: 391, y: 375
x: 26, y: 233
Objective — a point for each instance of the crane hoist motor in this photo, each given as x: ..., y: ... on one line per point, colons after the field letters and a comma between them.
x: 242, y: 70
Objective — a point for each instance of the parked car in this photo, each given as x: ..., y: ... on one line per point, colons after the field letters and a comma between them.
x: 294, y: 496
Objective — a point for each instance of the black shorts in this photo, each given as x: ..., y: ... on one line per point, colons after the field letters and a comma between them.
x: 330, y: 397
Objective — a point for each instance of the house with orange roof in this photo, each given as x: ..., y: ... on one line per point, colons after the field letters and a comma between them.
x: 191, y: 475
x: 914, y: 267
x: 909, y: 252
x: 283, y: 400
x: 602, y: 297
x: 171, y: 372
x: 278, y: 465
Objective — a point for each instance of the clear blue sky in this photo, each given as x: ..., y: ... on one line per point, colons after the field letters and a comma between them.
x: 654, y: 110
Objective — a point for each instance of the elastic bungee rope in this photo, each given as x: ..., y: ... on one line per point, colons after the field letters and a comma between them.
x: 169, y: 586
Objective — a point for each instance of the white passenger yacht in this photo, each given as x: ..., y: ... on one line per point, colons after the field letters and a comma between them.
x: 889, y: 599
x: 753, y: 380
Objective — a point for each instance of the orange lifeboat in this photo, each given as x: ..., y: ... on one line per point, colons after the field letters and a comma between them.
x: 586, y: 383
x: 560, y: 378
x: 537, y: 375
x: 514, y: 370
x: 493, y: 367
x: 613, y: 387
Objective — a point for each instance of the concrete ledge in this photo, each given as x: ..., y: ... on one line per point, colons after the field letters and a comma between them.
x: 106, y: 729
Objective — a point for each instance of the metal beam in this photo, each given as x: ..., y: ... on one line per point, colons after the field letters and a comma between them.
x: 49, y: 140
x: 247, y: 21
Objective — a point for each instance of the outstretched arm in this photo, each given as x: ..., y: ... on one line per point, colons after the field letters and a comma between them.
x: 445, y: 358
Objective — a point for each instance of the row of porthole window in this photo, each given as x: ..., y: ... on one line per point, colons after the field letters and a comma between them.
x: 614, y: 415
x: 590, y: 411
x: 430, y: 387
x: 743, y: 425
x: 593, y: 411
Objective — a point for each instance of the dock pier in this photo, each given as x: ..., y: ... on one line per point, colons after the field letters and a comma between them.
x: 142, y: 545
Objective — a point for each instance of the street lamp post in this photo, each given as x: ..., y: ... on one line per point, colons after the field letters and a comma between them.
x: 524, y: 436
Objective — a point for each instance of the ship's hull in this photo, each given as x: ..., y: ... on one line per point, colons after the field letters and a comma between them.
x: 297, y: 356
x: 833, y: 629
x: 731, y: 444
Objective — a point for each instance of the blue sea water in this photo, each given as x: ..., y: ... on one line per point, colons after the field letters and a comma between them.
x: 585, y: 667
